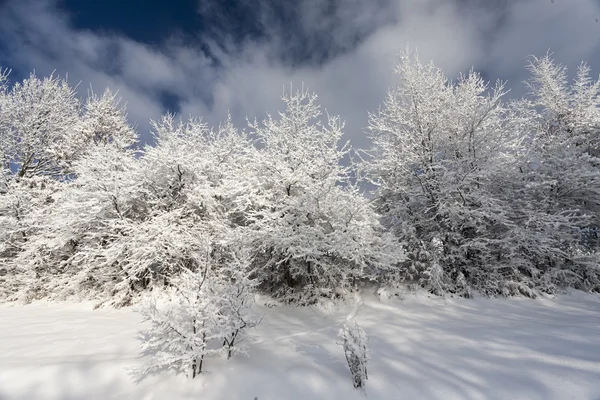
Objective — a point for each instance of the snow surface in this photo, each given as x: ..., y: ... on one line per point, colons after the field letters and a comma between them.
x: 421, y: 348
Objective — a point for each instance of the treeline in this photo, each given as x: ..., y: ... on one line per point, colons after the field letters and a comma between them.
x: 473, y: 191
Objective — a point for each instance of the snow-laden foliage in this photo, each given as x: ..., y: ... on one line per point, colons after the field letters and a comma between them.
x: 128, y: 223
x: 67, y: 254
x: 436, y: 147
x: 38, y: 126
x: 487, y: 194
x: 313, y: 231
x: 50, y: 148
x: 21, y: 202
x: 472, y: 192
x: 44, y: 127
x: 552, y: 191
x: 204, y: 313
x: 355, y: 343
x: 104, y: 121
x: 559, y: 194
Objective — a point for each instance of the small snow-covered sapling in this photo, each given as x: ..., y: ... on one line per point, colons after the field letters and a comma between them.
x: 354, y: 340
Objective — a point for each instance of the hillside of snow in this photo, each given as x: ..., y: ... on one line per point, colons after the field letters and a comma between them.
x: 421, y: 348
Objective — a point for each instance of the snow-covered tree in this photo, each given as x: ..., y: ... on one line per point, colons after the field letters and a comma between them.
x: 182, y: 327
x: 126, y: 223
x: 567, y: 142
x: 492, y: 195
x: 67, y: 254
x: 555, y: 197
x: 436, y: 147
x: 194, y: 182
x: 47, y: 139
x: 472, y: 192
x: 4, y: 78
x: 313, y: 232
x: 234, y: 295
x: 21, y: 203
x: 355, y: 343
x: 205, y: 313
x: 105, y: 121
x: 38, y: 126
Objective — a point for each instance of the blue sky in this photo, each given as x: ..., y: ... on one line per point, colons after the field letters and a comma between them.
x: 154, y: 19
x: 208, y: 57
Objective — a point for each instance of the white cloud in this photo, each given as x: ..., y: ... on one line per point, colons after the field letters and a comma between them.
x: 354, y: 43
x: 568, y: 28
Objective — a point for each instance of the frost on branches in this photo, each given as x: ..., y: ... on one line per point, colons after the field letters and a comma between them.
x: 436, y: 148
x: 561, y: 176
x: 501, y: 197
x: 74, y: 214
x: 205, y: 313
x: 39, y: 121
x: 314, y: 232
x: 354, y: 341
x: 42, y: 137
x: 473, y: 191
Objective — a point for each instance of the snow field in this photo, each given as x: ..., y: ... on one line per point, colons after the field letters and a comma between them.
x: 421, y: 348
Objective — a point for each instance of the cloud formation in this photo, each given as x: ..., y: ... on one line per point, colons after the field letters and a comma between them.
x: 342, y: 49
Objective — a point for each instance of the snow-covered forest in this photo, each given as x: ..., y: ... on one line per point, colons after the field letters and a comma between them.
x: 464, y: 192
x: 472, y: 191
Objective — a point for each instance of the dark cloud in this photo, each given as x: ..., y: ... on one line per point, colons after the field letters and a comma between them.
x: 307, y: 32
